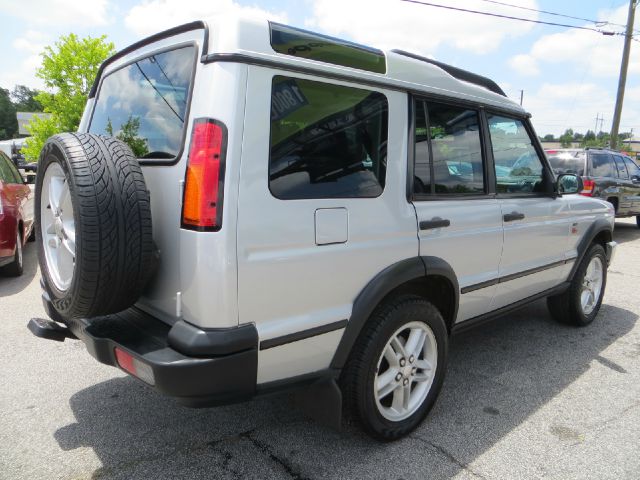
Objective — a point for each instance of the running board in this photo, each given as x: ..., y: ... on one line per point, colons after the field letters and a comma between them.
x: 45, y: 328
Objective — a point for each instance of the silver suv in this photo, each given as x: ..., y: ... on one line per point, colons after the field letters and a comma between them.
x: 249, y: 207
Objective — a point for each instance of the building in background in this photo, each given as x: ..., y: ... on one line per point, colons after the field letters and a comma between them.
x: 25, y: 117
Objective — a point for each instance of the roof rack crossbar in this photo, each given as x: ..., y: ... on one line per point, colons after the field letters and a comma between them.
x: 458, y: 73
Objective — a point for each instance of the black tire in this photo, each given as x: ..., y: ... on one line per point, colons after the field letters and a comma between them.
x: 15, y: 268
x: 638, y: 220
x: 113, y: 238
x: 357, y: 379
x: 566, y: 307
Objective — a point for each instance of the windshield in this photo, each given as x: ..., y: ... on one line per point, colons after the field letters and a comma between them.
x: 144, y: 104
x: 567, y: 163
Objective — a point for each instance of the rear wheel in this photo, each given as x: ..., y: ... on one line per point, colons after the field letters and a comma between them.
x: 397, y: 367
x: 15, y: 268
x: 580, y: 304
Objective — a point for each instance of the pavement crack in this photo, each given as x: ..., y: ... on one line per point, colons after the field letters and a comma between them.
x: 290, y: 469
x: 449, y: 456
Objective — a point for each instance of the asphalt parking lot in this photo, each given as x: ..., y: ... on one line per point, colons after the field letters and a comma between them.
x: 524, y: 398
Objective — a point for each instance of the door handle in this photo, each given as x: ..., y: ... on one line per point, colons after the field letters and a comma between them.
x: 435, y: 222
x: 510, y: 217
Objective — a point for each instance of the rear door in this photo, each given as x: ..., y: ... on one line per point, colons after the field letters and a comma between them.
x: 536, y: 223
x: 459, y: 219
x: 322, y: 209
x: 634, y: 187
x: 604, y: 175
x: 15, y: 197
x: 626, y: 187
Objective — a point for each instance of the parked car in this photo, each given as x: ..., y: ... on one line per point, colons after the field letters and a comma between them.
x: 606, y: 174
x: 16, y: 216
x: 302, y: 211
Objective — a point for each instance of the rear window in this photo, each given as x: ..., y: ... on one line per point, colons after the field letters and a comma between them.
x: 602, y: 165
x: 567, y: 163
x: 144, y: 103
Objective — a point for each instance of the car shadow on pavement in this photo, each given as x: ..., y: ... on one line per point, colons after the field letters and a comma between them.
x: 498, y: 376
x: 13, y: 285
x: 626, y: 232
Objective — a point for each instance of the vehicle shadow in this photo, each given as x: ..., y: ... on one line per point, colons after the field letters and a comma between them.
x: 12, y: 285
x: 498, y: 376
x: 626, y: 231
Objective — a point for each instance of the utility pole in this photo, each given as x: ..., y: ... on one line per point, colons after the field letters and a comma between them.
x: 623, y: 74
x: 597, y: 120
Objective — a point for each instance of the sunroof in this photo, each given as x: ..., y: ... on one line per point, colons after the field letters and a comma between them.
x: 304, y: 44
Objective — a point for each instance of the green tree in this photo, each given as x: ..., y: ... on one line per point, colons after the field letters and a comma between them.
x: 128, y: 133
x: 68, y: 70
x: 24, y: 99
x: 549, y: 138
x: 8, y: 121
x: 590, y: 139
x: 566, y: 138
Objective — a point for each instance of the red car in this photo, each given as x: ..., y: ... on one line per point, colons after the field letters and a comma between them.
x: 16, y: 216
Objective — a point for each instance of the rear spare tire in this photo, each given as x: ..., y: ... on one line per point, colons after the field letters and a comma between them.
x: 93, y: 225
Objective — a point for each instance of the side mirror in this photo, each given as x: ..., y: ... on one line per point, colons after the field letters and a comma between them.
x: 635, y: 178
x: 568, y: 183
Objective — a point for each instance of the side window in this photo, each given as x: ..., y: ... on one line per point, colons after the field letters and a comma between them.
x: 602, y: 165
x: 327, y: 141
x: 17, y: 178
x: 422, y: 166
x: 456, y: 150
x: 622, y: 170
x: 518, y: 167
x: 6, y: 173
x: 632, y: 168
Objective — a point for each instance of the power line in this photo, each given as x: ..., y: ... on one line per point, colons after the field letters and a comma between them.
x: 598, y: 23
x: 448, y: 7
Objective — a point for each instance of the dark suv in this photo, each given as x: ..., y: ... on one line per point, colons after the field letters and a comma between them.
x: 606, y: 174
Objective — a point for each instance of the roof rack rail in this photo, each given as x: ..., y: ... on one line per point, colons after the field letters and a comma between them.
x: 456, y: 72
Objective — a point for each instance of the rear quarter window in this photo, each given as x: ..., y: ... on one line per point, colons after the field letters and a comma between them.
x: 326, y: 141
x: 567, y: 163
x: 145, y: 103
x: 602, y: 165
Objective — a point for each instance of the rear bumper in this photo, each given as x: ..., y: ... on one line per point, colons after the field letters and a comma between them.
x: 198, y: 367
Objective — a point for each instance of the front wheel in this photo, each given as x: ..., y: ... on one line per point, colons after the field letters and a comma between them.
x: 397, y: 367
x: 580, y: 304
x: 15, y: 268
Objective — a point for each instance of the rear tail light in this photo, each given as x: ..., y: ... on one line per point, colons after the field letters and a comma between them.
x: 589, y: 185
x: 204, y: 182
x: 135, y: 367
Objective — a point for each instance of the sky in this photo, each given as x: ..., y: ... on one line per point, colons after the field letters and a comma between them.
x: 569, y: 76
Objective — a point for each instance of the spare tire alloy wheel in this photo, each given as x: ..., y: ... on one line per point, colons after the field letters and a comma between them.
x: 58, y: 227
x: 93, y: 222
